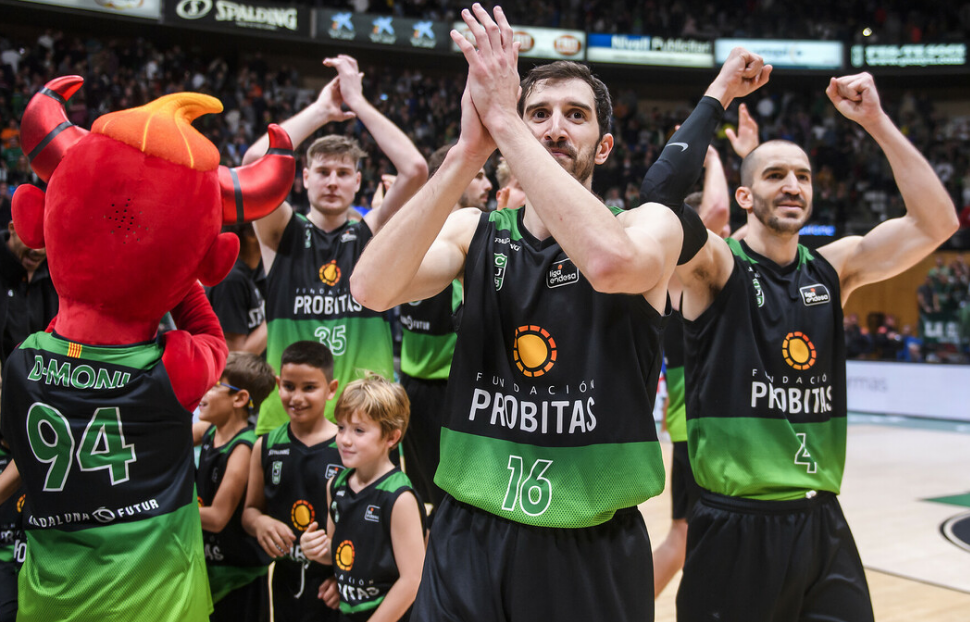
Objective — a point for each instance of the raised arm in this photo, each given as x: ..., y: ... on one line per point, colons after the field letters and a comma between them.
x: 899, y: 243
x: 300, y: 126
x: 423, y: 249
x: 715, y: 207
x: 412, y: 170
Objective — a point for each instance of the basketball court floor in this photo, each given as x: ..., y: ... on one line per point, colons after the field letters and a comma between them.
x: 906, y: 495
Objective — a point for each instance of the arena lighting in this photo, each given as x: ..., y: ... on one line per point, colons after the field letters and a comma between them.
x: 867, y: 32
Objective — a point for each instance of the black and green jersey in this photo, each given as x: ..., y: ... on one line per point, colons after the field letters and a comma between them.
x: 105, y: 452
x: 428, y: 334
x: 295, y: 480
x: 363, y: 555
x: 549, y: 410
x: 234, y: 558
x: 11, y: 514
x: 308, y: 298
x: 766, y: 413
x: 674, y: 358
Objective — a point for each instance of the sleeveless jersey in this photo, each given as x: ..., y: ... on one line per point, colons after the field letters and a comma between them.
x: 105, y: 451
x: 766, y: 415
x: 232, y: 546
x: 295, y: 481
x: 428, y: 334
x: 363, y: 555
x: 674, y: 357
x: 11, y: 525
x: 549, y: 409
x: 309, y: 298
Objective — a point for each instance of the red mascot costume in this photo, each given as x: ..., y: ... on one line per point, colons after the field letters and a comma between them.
x: 97, y: 409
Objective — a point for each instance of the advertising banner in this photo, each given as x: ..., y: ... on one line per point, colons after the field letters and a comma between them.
x: 910, y: 55
x: 540, y: 42
x: 238, y: 16
x: 382, y: 30
x: 785, y: 54
x: 910, y: 389
x: 647, y: 50
x: 146, y: 9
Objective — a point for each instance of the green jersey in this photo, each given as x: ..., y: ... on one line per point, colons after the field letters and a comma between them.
x: 428, y: 334
x: 674, y: 357
x: 549, y: 409
x: 105, y: 452
x: 766, y: 410
x: 309, y: 298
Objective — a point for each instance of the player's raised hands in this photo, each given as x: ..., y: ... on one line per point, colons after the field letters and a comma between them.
x: 474, y: 138
x: 742, y: 73
x: 351, y: 85
x: 856, y: 98
x: 329, y: 103
x: 493, y: 77
x: 316, y: 544
x: 746, y: 138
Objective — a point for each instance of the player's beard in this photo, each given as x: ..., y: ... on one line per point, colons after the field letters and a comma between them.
x: 580, y: 164
x: 764, y: 211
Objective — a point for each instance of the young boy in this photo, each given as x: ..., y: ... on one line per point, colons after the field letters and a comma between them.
x: 234, y: 560
x: 375, y: 524
x: 288, y: 476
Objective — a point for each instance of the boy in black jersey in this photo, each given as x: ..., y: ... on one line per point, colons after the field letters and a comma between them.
x: 288, y: 476
x: 374, y: 534
x: 233, y: 559
x: 765, y: 362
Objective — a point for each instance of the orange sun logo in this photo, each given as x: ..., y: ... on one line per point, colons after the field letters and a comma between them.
x: 344, y: 557
x: 798, y: 350
x: 330, y: 273
x: 199, y: 499
x: 534, y: 350
x: 20, y: 503
x: 302, y: 514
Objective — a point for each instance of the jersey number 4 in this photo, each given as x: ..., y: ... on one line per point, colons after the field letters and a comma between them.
x: 102, y: 445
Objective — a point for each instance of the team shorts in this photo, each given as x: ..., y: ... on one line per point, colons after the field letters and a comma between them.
x: 295, y: 587
x: 684, y: 490
x: 483, y: 567
x: 421, y: 444
x: 771, y: 561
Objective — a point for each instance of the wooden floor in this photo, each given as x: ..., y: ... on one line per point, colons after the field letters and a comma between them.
x: 914, y: 573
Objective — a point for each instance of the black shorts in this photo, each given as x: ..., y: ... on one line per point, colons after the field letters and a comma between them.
x: 243, y: 604
x: 771, y: 561
x: 422, y: 443
x: 684, y: 490
x: 8, y: 591
x: 295, y: 589
x: 483, y: 567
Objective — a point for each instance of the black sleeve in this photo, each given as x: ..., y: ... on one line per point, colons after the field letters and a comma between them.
x: 681, y: 162
x: 678, y: 168
x: 230, y: 301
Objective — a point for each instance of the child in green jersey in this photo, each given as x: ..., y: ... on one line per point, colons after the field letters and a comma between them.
x: 234, y: 560
x: 288, y: 476
x: 375, y: 534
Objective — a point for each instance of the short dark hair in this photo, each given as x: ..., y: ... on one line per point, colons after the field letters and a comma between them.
x: 568, y: 70
x: 248, y: 371
x: 312, y: 353
x: 436, y: 159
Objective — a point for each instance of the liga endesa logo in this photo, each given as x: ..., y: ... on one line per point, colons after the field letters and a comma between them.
x: 330, y: 273
x: 533, y: 350
x: 798, y: 350
x: 302, y: 514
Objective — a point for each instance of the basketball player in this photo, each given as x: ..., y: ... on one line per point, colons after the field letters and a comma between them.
x: 765, y: 363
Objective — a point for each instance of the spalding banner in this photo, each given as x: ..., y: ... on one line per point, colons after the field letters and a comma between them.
x: 234, y: 16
